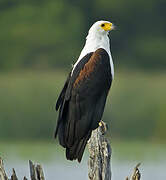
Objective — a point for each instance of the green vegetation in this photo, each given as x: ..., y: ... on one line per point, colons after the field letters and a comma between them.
x: 48, y: 34
x: 135, y: 108
x: 36, y: 150
x: 49, y: 151
x: 138, y: 150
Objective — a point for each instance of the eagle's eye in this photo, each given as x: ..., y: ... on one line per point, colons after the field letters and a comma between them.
x: 102, y: 25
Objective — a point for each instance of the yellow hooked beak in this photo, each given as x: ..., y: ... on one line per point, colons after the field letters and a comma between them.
x: 107, y: 26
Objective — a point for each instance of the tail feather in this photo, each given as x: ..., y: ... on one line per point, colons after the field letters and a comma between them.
x: 77, y: 150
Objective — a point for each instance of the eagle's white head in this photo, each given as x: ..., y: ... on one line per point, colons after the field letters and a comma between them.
x: 101, y: 28
x: 98, y: 38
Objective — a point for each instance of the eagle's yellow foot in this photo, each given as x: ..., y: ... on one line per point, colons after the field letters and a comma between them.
x: 103, y: 127
x: 101, y: 123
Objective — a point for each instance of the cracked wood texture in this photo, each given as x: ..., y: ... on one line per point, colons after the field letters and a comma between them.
x: 100, y: 155
x: 99, y: 167
x: 36, y: 172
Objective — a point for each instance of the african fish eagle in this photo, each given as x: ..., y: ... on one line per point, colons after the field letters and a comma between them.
x: 82, y: 100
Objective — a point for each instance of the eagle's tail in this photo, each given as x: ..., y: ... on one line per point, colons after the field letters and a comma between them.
x: 76, y: 151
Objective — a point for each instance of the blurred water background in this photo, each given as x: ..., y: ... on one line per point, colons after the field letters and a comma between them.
x: 40, y: 40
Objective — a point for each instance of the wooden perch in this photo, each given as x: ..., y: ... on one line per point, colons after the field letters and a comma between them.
x: 100, y: 156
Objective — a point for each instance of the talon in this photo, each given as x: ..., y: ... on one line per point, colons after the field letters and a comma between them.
x: 103, y: 127
x: 100, y: 124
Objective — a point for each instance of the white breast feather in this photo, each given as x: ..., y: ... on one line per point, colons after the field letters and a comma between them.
x: 94, y: 42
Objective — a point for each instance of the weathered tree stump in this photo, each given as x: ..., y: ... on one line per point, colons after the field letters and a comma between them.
x: 100, y: 156
x: 136, y: 174
x: 36, y: 172
x: 3, y: 175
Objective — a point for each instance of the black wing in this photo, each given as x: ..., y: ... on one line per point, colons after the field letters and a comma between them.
x: 63, y: 92
x: 66, y: 91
